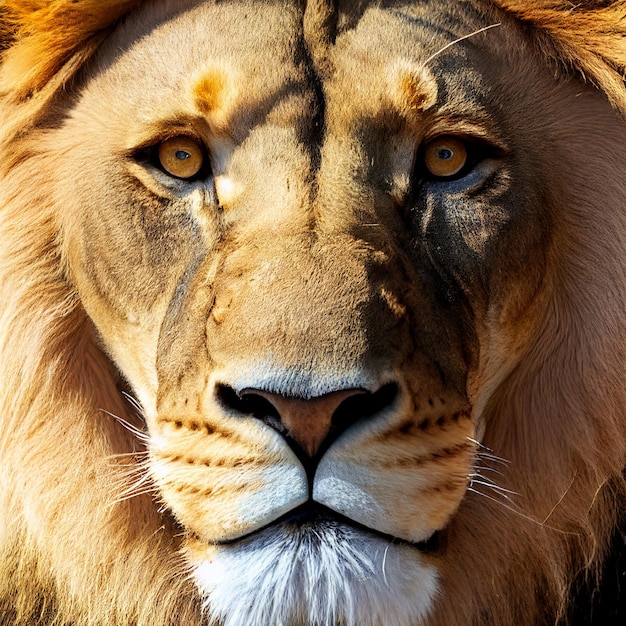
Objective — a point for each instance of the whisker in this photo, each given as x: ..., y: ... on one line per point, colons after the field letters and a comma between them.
x: 140, y: 434
x: 122, y: 455
x: 491, y: 470
x: 503, y: 497
x: 523, y: 515
x: 130, y: 467
x: 385, y: 563
x: 561, y: 498
x: 141, y: 485
x: 485, y: 456
x: 133, y: 401
x: 487, y: 453
x: 131, y: 471
x: 130, y: 496
x: 131, y: 479
x: 452, y: 43
x: 491, y: 485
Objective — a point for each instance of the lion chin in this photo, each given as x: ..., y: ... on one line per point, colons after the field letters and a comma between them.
x: 312, y: 313
x: 320, y: 572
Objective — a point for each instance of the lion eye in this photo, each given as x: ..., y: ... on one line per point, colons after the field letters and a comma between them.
x: 445, y: 157
x: 182, y: 157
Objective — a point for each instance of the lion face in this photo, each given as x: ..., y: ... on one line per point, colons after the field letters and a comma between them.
x: 300, y: 311
x: 314, y: 274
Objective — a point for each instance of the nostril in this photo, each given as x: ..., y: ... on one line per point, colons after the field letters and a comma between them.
x: 362, y: 406
x: 248, y: 404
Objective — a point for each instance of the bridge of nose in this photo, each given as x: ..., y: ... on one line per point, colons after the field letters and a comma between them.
x: 309, y: 329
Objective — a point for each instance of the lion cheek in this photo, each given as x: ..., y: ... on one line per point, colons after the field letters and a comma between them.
x: 223, y: 490
x: 429, y: 481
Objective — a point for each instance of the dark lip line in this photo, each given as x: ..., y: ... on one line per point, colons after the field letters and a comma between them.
x: 310, y: 511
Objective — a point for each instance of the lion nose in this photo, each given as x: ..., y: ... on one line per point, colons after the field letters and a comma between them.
x: 309, y: 425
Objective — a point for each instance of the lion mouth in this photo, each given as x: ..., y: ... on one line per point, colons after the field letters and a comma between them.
x: 311, y: 515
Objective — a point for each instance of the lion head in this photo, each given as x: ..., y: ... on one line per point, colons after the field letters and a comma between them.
x: 313, y: 313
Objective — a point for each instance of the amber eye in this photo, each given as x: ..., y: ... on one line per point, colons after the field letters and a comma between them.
x: 181, y: 156
x: 445, y: 157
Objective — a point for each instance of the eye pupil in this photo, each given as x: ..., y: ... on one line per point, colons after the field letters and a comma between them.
x: 445, y: 154
x: 182, y: 155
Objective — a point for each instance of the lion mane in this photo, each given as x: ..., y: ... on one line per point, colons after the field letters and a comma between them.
x: 499, y: 508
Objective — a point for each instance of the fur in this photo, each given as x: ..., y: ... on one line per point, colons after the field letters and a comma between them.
x: 91, y: 532
x: 315, y: 576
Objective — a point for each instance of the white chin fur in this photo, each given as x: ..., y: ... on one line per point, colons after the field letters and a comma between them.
x: 326, y: 574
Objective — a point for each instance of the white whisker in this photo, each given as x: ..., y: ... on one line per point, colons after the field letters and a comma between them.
x: 130, y: 496
x: 491, y: 485
x: 134, y: 402
x: 487, y: 453
x: 384, y: 563
x: 140, y: 434
x: 491, y: 470
x: 132, y: 455
x: 452, y: 43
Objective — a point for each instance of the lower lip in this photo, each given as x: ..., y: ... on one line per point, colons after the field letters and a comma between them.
x: 312, y: 514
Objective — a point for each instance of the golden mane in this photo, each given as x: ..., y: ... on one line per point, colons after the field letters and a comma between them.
x: 56, y: 383
x: 59, y: 391
x: 587, y: 37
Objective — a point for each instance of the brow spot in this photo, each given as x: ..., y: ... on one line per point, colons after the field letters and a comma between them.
x: 417, y: 89
x: 208, y: 92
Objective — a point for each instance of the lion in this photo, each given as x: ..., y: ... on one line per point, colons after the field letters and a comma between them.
x: 312, y: 313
